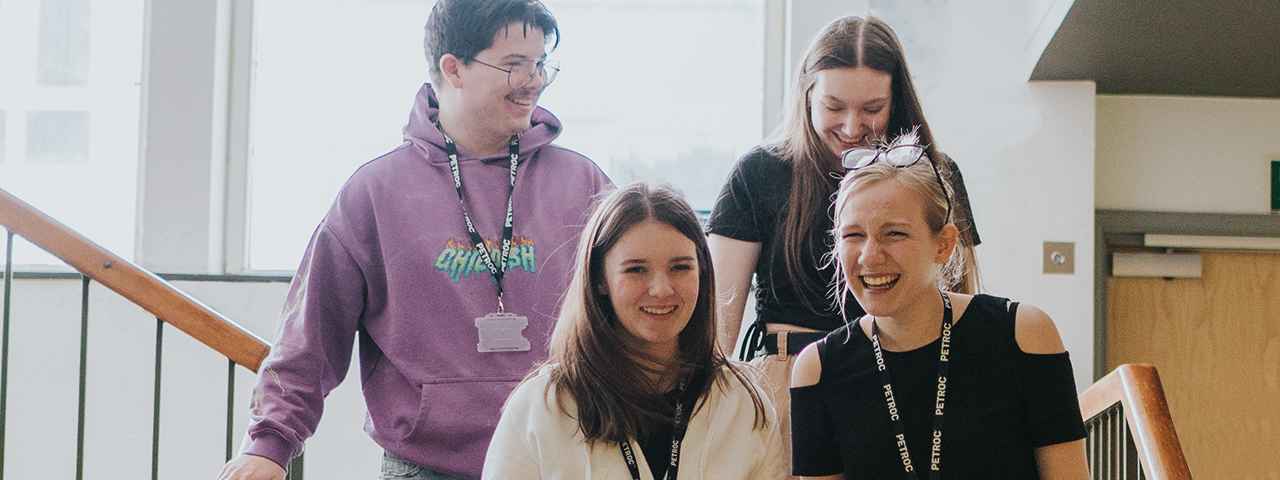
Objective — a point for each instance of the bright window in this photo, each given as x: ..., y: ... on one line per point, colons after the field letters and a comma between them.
x: 661, y: 90
x: 334, y: 81
x: 654, y: 90
x: 69, y: 106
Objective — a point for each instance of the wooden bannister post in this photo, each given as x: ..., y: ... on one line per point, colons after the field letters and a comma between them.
x: 1137, y: 388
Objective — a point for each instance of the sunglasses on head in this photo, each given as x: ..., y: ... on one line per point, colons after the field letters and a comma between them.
x: 899, y: 156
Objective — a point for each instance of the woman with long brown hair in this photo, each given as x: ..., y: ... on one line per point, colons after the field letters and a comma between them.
x: 635, y: 386
x: 773, y: 215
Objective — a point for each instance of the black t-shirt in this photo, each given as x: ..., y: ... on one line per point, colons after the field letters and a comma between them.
x: 752, y: 207
x: 655, y: 438
x: 1001, y: 404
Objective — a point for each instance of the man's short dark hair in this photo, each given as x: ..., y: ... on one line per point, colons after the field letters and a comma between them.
x: 465, y: 28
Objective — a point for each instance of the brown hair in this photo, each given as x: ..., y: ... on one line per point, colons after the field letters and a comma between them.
x: 614, y: 392
x: 848, y: 42
x: 465, y: 28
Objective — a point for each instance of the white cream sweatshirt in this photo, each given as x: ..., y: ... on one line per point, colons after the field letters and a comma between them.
x: 534, y: 440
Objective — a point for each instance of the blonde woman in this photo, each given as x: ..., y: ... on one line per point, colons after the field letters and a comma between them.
x: 928, y: 382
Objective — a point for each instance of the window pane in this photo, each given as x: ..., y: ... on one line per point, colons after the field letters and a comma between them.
x: 57, y: 137
x: 661, y: 90
x: 69, y: 127
x: 335, y: 81
x: 64, y: 42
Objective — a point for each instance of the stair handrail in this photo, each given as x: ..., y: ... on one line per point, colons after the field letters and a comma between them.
x: 1137, y: 388
x: 137, y: 284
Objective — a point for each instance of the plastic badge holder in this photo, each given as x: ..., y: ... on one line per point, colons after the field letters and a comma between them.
x: 502, y: 332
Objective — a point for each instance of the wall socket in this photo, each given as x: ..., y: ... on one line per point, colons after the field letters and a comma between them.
x: 1060, y: 258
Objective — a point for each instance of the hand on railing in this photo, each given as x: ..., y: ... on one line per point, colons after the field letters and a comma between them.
x: 251, y: 467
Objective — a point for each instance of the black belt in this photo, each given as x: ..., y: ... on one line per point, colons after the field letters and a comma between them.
x: 756, y: 342
x: 796, y: 341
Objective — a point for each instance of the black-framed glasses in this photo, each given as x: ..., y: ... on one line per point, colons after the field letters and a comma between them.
x: 522, y: 72
x: 899, y: 156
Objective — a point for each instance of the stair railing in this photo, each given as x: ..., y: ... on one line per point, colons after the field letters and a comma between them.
x: 1130, y: 431
x: 145, y: 289
x: 137, y: 285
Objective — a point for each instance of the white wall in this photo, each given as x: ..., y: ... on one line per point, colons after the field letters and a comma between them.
x: 1183, y: 154
x: 1026, y: 149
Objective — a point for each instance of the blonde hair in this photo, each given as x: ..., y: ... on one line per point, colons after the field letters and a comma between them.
x: 958, y: 273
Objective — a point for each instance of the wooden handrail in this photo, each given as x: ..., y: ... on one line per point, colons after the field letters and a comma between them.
x: 1137, y: 388
x: 136, y: 284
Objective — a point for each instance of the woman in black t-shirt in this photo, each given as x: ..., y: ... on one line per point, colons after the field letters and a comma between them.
x: 928, y: 382
x: 773, y: 215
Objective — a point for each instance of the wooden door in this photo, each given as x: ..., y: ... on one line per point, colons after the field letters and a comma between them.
x: 1216, y: 344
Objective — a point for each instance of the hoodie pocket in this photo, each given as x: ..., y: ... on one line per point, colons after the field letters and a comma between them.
x: 461, y: 410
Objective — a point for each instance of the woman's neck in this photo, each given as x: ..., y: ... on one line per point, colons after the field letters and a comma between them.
x: 914, y: 328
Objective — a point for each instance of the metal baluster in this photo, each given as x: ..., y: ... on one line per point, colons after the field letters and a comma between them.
x: 1104, y: 435
x: 1107, y: 445
x: 295, y: 469
x: 1108, y: 441
x: 1104, y: 445
x: 1105, y: 439
x: 1121, y: 425
x: 84, y: 370
x: 1094, y: 447
x: 1101, y: 458
x: 4, y: 349
x: 231, y: 402
x: 1095, y: 453
x: 1122, y: 444
x: 1117, y: 441
x: 1126, y: 449
x: 155, y: 418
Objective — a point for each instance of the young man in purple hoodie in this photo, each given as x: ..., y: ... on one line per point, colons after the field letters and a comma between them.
x: 447, y: 258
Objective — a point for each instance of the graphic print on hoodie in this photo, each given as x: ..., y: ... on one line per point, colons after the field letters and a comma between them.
x: 460, y: 259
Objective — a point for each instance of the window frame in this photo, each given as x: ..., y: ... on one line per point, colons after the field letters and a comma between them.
x: 240, y: 73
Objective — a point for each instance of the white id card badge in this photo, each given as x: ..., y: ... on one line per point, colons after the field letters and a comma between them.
x: 502, y: 332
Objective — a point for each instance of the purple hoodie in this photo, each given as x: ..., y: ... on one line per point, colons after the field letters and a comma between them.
x: 392, y: 261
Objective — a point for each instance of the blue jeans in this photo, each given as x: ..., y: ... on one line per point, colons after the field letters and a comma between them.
x: 393, y: 468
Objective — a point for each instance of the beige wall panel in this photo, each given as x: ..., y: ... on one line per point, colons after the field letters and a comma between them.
x: 1216, y: 343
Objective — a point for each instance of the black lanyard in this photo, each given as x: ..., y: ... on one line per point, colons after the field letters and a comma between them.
x: 500, y: 269
x: 935, y: 458
x: 677, y: 437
